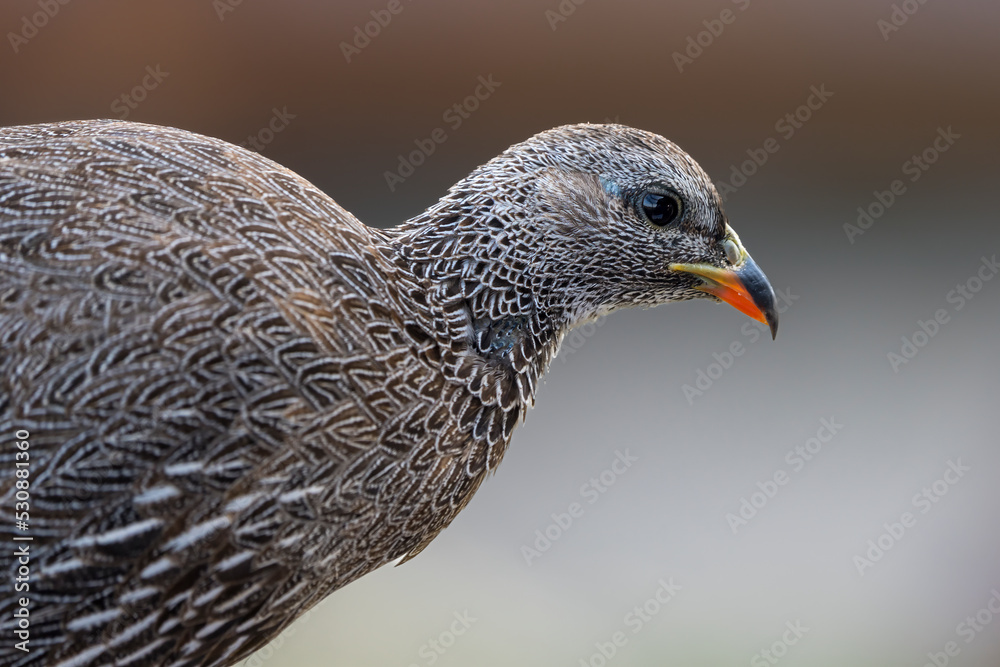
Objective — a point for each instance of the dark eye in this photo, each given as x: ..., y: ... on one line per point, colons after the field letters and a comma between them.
x: 660, y: 208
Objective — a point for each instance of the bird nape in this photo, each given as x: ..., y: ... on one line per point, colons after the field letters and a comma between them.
x: 236, y: 398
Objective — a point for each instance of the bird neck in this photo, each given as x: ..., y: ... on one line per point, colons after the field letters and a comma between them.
x: 478, y: 266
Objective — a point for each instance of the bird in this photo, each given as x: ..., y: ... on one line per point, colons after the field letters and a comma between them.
x: 231, y: 397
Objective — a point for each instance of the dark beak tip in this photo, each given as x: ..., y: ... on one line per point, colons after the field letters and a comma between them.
x: 771, y: 311
x: 762, y: 294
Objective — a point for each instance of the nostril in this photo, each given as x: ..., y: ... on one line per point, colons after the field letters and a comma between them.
x: 733, y: 253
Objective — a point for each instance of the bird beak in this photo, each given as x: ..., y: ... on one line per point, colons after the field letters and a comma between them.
x: 745, y: 288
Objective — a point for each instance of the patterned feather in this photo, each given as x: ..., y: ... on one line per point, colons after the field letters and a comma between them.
x: 240, y: 398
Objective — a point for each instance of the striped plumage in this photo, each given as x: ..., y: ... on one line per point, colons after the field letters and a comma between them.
x: 240, y: 398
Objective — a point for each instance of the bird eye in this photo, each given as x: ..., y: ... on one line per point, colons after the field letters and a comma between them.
x: 660, y: 208
x: 732, y: 250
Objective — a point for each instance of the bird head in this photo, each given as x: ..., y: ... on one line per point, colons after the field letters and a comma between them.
x: 624, y: 217
x: 586, y: 219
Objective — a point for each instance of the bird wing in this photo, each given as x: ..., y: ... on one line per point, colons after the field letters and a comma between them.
x: 230, y: 414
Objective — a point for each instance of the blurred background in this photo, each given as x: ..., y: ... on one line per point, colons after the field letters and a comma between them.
x: 829, y: 498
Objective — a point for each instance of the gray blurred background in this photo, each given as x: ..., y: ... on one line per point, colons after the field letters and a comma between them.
x: 883, y: 548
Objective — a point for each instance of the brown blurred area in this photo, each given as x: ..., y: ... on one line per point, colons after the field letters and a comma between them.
x: 231, y: 68
x: 229, y: 63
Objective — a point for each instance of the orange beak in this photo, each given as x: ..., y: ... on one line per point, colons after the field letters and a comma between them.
x: 745, y: 288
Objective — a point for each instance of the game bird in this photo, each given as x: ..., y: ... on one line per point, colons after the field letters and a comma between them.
x: 231, y: 397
